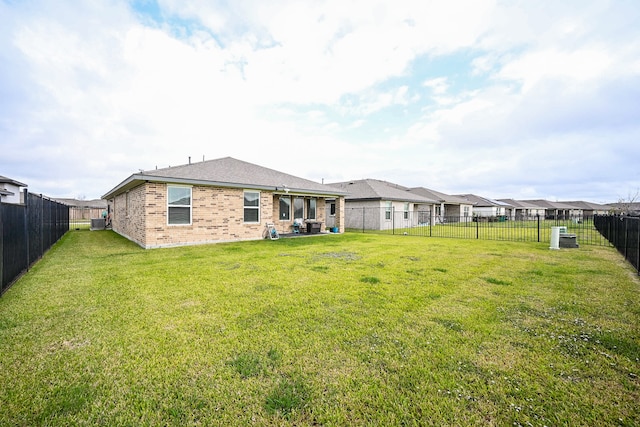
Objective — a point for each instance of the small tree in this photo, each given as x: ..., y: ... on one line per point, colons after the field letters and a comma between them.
x: 629, y: 205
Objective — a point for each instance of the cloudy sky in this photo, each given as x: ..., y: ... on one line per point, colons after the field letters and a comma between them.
x: 522, y: 99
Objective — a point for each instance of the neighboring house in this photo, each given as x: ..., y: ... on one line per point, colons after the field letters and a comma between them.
x: 523, y: 210
x: 214, y: 201
x: 487, y: 208
x: 11, y: 190
x: 558, y: 210
x: 373, y: 204
x: 627, y: 208
x: 448, y: 208
x: 588, y: 209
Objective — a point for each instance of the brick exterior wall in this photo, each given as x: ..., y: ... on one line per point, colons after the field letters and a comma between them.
x: 286, y: 226
x: 217, y: 215
x: 127, y: 214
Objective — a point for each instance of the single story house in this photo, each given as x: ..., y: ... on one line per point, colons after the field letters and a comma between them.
x: 523, y: 210
x: 374, y: 204
x: 215, y: 201
x: 626, y: 208
x: 487, y: 208
x: 448, y: 208
x: 558, y: 210
x: 11, y: 190
x: 589, y: 209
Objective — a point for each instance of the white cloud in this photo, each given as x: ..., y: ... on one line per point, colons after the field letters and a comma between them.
x: 94, y: 90
x: 573, y: 68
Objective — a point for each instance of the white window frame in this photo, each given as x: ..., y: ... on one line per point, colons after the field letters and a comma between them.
x: 288, y: 216
x: 406, y: 211
x: 387, y: 211
x: 190, y: 205
x: 244, y: 207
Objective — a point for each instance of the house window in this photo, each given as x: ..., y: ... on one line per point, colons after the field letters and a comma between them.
x: 251, y: 206
x: 332, y: 209
x: 285, y: 208
x: 387, y: 211
x: 311, y: 209
x: 466, y: 211
x: 406, y: 211
x: 179, y: 205
x: 298, y: 208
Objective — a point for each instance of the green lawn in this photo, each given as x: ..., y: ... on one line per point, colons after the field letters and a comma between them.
x: 354, y: 329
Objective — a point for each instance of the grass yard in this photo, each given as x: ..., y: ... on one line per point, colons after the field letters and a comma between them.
x: 354, y: 329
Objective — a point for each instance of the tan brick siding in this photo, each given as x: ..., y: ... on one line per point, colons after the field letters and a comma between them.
x: 286, y: 226
x: 127, y: 217
x: 217, y: 216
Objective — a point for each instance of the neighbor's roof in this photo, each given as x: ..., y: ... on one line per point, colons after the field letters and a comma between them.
x: 588, y: 205
x: 95, y: 203
x: 4, y: 179
x: 480, y: 201
x: 438, y: 196
x: 522, y: 204
x: 552, y: 205
x: 375, y: 189
x: 635, y: 206
x: 226, y: 172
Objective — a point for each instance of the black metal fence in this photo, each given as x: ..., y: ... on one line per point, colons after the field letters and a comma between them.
x: 425, y: 223
x: 27, y: 231
x: 624, y: 233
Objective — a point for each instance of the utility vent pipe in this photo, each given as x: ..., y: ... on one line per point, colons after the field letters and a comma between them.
x: 555, y: 238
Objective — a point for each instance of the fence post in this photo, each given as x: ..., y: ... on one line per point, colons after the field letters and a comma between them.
x: 538, y: 218
x: 626, y: 234
x: 1, y: 252
x: 477, y: 227
x: 26, y: 225
x: 41, y: 226
x: 393, y: 220
x: 363, y: 219
x: 638, y: 249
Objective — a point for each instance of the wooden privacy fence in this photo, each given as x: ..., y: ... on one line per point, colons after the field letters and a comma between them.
x: 27, y: 231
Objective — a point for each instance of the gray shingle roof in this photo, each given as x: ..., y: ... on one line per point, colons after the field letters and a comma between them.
x: 438, y: 196
x: 587, y: 205
x: 480, y: 201
x: 522, y: 204
x: 374, y: 189
x: 227, y: 172
x: 547, y: 204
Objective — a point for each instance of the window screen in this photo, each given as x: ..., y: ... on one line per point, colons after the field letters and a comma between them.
x: 179, y: 205
x: 251, y: 206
